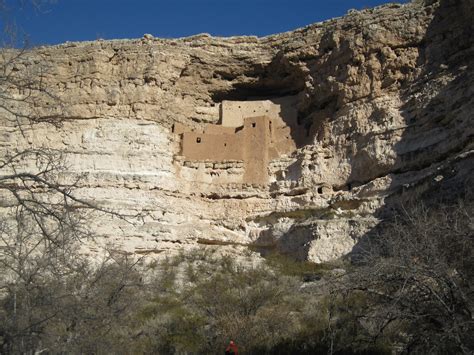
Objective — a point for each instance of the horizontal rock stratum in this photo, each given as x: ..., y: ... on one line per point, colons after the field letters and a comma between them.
x: 383, y: 112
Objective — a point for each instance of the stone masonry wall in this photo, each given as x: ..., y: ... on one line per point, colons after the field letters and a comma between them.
x: 245, y: 134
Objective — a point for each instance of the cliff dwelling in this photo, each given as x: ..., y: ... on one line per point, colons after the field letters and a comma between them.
x: 251, y: 132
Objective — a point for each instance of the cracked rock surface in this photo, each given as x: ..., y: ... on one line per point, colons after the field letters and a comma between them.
x: 386, y: 95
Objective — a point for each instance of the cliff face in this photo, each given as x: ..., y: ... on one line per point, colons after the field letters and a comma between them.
x: 385, y: 97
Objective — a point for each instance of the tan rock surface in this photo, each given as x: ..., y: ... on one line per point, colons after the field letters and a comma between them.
x: 385, y: 96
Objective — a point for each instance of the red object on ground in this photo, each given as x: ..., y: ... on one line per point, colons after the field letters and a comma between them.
x: 232, y: 348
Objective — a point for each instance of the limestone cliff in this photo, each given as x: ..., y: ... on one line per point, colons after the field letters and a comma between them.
x: 384, y: 96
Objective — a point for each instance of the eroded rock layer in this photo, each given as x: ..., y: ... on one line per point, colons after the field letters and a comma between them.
x: 384, y: 98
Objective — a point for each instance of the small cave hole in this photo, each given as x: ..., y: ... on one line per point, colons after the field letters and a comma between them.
x: 225, y: 144
x: 254, y: 124
x: 320, y: 190
x: 198, y: 140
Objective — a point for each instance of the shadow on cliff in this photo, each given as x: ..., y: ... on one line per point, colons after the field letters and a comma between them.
x: 279, y: 78
x: 433, y: 161
x: 280, y: 82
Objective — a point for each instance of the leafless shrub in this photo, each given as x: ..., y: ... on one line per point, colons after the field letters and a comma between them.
x: 418, y: 276
x: 44, y: 280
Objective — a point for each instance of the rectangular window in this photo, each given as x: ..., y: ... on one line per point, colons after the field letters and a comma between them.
x: 198, y: 140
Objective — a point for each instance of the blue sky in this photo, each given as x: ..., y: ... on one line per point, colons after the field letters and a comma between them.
x: 78, y: 20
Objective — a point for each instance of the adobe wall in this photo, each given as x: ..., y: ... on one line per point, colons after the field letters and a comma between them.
x: 283, y: 142
x: 217, y: 129
x: 215, y: 147
x: 256, y: 135
x: 233, y: 113
x: 287, y: 110
x: 251, y: 131
x: 179, y: 128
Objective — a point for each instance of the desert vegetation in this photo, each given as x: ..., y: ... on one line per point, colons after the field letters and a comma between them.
x: 410, y: 289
